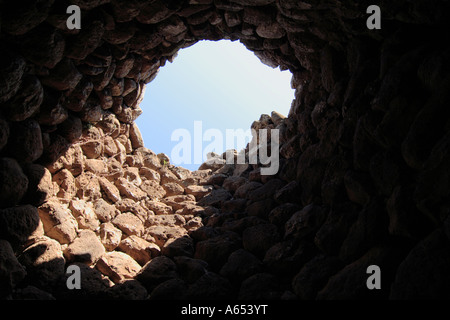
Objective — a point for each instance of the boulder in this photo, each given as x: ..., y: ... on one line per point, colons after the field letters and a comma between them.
x: 86, y: 248
x: 118, y: 266
x: 110, y: 236
x: 139, y: 249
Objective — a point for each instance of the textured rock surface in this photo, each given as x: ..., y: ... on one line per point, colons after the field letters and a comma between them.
x: 364, y: 155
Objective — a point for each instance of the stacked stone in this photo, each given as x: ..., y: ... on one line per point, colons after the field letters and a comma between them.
x: 364, y: 160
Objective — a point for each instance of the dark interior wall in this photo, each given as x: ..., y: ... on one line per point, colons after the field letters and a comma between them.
x: 365, y: 149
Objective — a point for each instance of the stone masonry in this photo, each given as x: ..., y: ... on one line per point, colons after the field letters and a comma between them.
x: 364, y: 173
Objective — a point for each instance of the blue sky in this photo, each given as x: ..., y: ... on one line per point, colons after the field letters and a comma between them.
x: 221, y: 84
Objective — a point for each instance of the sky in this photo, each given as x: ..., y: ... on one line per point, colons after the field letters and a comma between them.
x: 209, y: 88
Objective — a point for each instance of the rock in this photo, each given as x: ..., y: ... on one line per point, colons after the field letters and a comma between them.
x: 267, y: 190
x: 270, y: 30
x: 161, y: 234
x: 109, y: 189
x: 86, y: 248
x: 156, y: 271
x: 84, y: 213
x: 330, y: 236
x: 173, y: 189
x: 244, y: 190
x: 127, y: 290
x: 282, y: 213
x: 110, y: 236
x: 183, y: 246
x: 198, y: 191
x: 28, y: 100
x: 4, y: 133
x: 92, y: 149
x: 210, y: 286
x: 159, y: 207
x: 88, y: 186
x: 305, y: 223
x: 241, y: 264
x: 66, y: 182
x: 258, y: 239
x: 44, y: 262
x: 12, y: 69
x: 215, y: 198
x: 139, y: 249
x: 40, y: 184
x: 190, y: 269
x: 232, y: 183
x: 253, y: 2
x: 58, y: 222
x: 314, y: 275
x: 11, y: 271
x: 136, y: 136
x: 286, y: 257
x: 429, y: 256
x: 93, y: 284
x: 96, y: 166
x: 18, y: 223
x: 370, y: 228
x: 172, y: 289
x: 260, y: 286
x: 32, y: 293
x: 215, y: 251
x: 129, y: 190
x: 355, y: 184
x: 153, y: 189
x: 64, y: 76
x: 129, y: 224
x: 118, y: 266
x: 350, y: 282
x: 149, y: 174
x: 14, y: 182
x: 105, y: 212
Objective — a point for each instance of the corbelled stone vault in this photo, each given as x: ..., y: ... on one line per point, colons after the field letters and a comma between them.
x: 363, y: 181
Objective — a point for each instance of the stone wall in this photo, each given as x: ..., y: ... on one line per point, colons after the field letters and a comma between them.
x: 364, y: 158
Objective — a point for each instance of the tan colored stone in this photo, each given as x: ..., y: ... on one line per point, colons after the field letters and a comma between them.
x: 118, y: 266
x: 162, y: 233
x: 109, y: 189
x: 166, y: 220
x: 139, y: 249
x: 66, y: 182
x: 135, y: 136
x: 167, y: 176
x: 93, y: 149
x: 105, y: 212
x: 110, y: 236
x: 173, y: 189
x: 97, y: 166
x: 149, y: 174
x: 86, y: 248
x: 129, y: 224
x: 84, y: 213
x: 58, y: 222
x: 190, y: 208
x: 153, y: 189
x: 159, y: 207
x: 177, y: 202
x: 132, y: 175
x: 198, y: 191
x: 110, y: 147
x: 127, y: 189
x: 88, y: 186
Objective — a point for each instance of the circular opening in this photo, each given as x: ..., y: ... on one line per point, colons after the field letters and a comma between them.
x: 210, y: 88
